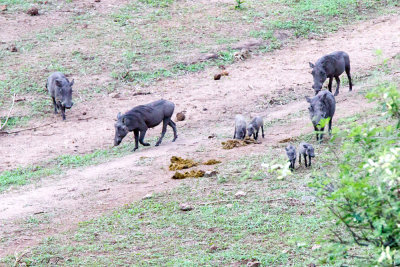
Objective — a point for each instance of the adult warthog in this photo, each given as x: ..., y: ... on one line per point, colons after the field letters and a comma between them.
x: 331, y: 66
x: 143, y: 117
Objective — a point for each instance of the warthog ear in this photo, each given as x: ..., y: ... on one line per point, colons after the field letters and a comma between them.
x: 59, y: 83
x: 311, y: 65
x: 72, y: 82
x: 308, y: 99
x: 305, y: 146
x: 119, y: 115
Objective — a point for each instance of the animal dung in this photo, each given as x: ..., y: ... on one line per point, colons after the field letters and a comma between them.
x: 212, y: 162
x: 192, y: 173
x: 33, y: 11
x: 178, y: 163
x: 232, y: 143
x: 180, y: 116
x: 217, y: 76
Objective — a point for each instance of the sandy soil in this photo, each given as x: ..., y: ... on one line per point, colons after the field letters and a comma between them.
x: 210, y: 107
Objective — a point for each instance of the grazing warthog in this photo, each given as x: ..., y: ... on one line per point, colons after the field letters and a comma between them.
x: 330, y: 66
x: 322, y: 106
x: 143, y: 117
x: 240, y: 127
x: 254, y: 127
x: 60, y: 90
x: 291, y: 153
x: 305, y: 150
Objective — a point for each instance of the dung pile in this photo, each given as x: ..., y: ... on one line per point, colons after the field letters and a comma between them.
x: 178, y: 163
x: 211, y: 162
x: 232, y: 143
x: 192, y: 173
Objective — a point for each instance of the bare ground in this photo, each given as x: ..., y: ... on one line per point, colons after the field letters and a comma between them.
x: 85, y: 193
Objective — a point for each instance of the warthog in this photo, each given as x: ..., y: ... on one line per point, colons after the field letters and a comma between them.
x: 329, y: 66
x: 60, y: 90
x: 322, y: 106
x: 291, y: 153
x: 240, y: 127
x: 254, y: 127
x: 143, y: 117
x: 305, y: 150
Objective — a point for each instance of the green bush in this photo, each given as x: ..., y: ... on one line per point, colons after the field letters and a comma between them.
x: 363, y: 196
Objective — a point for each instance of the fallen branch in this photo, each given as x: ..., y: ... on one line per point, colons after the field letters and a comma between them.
x: 9, y: 113
x: 242, y: 200
x: 27, y: 129
x: 82, y: 119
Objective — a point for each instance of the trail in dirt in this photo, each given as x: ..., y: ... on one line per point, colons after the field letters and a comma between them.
x: 210, y: 105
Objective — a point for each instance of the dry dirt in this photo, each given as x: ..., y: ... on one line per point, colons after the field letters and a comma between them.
x: 210, y: 107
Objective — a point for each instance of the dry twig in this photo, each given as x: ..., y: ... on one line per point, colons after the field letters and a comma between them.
x: 9, y: 113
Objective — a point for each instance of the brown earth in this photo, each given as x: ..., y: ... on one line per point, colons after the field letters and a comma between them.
x: 210, y: 106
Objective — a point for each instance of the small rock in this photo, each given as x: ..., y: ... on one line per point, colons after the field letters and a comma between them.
x: 212, y: 136
x: 185, y: 207
x: 180, y: 116
x: 224, y: 73
x: 213, y: 248
x: 210, y: 173
x: 315, y: 247
x: 148, y: 196
x: 3, y: 8
x: 97, y: 1
x: 253, y: 263
x: 205, y: 109
x: 240, y: 194
x: 229, y: 205
x: 308, y: 199
x: 84, y: 113
x: 114, y: 95
x: 33, y: 11
x: 217, y: 76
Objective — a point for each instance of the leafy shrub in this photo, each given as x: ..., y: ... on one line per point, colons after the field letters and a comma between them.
x: 364, y: 195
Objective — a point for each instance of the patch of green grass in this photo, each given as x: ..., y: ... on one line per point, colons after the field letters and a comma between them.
x: 14, y: 121
x: 23, y: 176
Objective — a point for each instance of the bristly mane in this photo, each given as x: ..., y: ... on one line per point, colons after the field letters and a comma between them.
x: 139, y: 109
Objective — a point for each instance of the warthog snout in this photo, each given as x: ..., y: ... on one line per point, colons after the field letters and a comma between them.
x: 67, y: 105
x: 117, y: 142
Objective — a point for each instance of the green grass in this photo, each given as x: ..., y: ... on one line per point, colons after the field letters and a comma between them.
x: 23, y: 176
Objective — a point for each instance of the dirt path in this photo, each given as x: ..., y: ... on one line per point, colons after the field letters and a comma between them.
x: 210, y: 105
